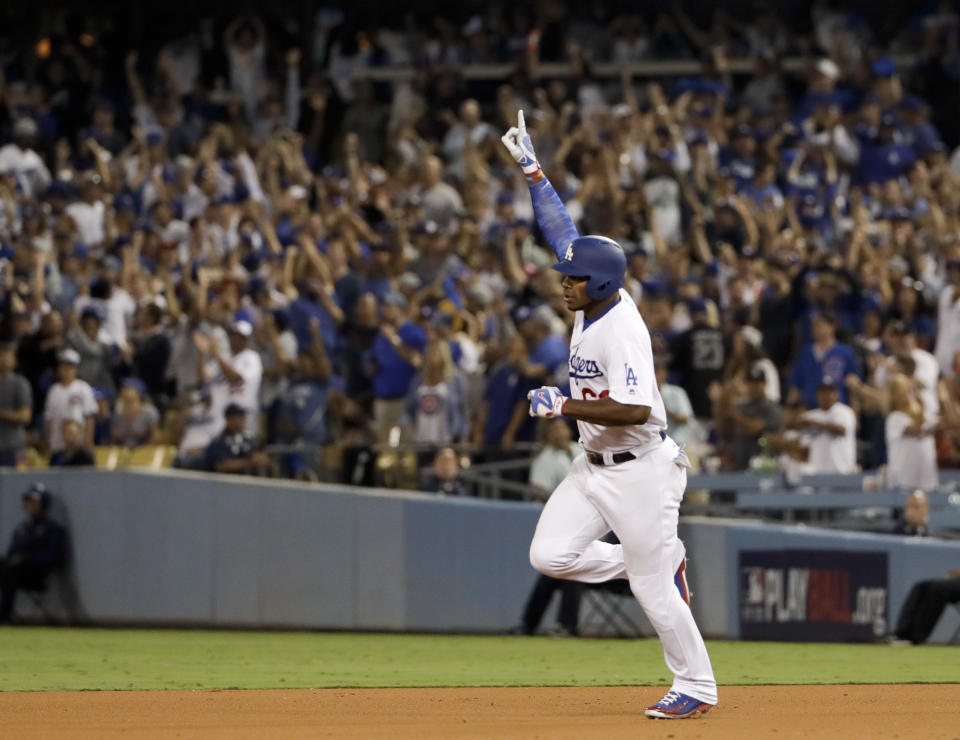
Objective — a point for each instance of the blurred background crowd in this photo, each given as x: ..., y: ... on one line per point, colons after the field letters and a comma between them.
x: 288, y: 243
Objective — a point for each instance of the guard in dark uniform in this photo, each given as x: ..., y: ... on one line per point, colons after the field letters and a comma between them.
x: 37, y: 549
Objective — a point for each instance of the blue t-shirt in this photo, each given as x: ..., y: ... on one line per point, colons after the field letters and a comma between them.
x: 551, y: 352
x: 809, y: 371
x: 394, y: 374
x: 505, y: 389
x: 301, y: 311
x: 886, y: 162
x: 742, y: 169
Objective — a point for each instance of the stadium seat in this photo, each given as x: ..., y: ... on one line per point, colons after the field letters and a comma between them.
x: 154, y: 457
x: 35, y: 459
x: 111, y: 458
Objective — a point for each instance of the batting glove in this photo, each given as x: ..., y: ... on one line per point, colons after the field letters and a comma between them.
x: 546, y: 401
x: 517, y: 141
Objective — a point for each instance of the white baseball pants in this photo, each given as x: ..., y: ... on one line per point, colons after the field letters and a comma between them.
x: 640, y: 501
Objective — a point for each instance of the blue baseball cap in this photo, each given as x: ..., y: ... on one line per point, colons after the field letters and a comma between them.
x: 136, y: 384
x: 696, y: 306
x: 884, y: 67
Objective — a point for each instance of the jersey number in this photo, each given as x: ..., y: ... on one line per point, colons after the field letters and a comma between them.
x: 707, y: 352
x: 588, y: 394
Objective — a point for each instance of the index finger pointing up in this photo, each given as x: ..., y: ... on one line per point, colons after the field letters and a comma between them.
x: 520, y: 122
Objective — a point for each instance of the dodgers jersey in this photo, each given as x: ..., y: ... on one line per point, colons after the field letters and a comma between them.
x: 613, y: 357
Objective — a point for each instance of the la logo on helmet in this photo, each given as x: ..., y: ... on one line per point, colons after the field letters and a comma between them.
x: 568, y: 257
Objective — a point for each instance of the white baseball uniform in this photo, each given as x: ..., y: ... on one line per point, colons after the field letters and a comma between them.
x: 638, y: 499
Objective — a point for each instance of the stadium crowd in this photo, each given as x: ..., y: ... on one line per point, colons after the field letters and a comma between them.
x: 237, y: 240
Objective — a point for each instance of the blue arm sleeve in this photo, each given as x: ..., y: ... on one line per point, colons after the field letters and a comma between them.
x: 555, y: 222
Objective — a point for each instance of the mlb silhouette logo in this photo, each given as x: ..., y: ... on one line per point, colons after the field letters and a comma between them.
x: 568, y: 257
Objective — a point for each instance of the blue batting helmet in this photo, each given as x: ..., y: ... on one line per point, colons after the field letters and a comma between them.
x: 599, y: 258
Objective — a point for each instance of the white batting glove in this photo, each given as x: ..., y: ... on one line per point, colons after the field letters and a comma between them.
x: 546, y: 401
x: 517, y: 141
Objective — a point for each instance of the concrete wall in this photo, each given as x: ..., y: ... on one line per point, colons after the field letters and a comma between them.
x: 181, y: 548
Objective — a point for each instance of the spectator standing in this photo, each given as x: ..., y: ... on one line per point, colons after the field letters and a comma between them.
x: 503, y: 418
x: 442, y: 204
x: 831, y: 433
x: 548, y: 351
x: 20, y: 158
x: 746, y: 422
x: 16, y: 408
x: 37, y: 356
x: 824, y: 361
x: 683, y: 426
x: 435, y: 406
x: 793, y: 444
x: 151, y: 352
x: 199, y: 426
x: 398, y: 353
x: 38, y: 547
x: 96, y: 356
x: 911, y: 448
x: 698, y: 356
x: 926, y: 373
x: 69, y: 398
x: 947, y: 348
x: 235, y: 379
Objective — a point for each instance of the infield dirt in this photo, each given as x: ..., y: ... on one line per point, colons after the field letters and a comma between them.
x: 926, y: 711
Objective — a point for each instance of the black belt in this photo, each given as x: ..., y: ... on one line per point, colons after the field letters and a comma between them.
x: 617, y: 457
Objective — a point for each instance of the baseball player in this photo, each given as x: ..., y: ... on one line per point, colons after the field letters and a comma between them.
x: 632, y: 477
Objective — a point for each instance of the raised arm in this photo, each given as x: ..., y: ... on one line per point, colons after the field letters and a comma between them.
x: 555, y: 222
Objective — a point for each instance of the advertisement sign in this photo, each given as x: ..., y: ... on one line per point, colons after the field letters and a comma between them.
x: 813, y: 595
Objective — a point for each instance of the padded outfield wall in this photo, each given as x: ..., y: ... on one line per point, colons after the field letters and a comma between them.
x: 189, y: 549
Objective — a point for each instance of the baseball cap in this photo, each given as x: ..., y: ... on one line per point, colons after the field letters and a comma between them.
x: 884, y: 67
x: 751, y: 335
x: 898, y: 264
x: 697, y: 306
x: 69, y: 357
x: 426, y: 227
x: 235, y: 409
x: 136, y: 384
x: 828, y: 68
x: 37, y: 492
x: 755, y: 374
x: 828, y: 383
x: 25, y: 127
x: 394, y: 298
x: 91, y: 312
x: 241, y: 327
x: 409, y: 281
x: 522, y: 313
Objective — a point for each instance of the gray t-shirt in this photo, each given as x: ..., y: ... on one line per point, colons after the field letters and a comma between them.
x: 15, y: 394
x: 134, y: 432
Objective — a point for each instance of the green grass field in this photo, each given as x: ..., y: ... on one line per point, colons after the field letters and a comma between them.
x: 48, y: 659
